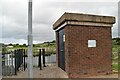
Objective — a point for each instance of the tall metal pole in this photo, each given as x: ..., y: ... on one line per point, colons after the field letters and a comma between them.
x: 30, y: 41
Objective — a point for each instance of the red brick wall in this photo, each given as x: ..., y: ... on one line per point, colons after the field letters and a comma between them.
x: 79, y: 59
x: 67, y: 48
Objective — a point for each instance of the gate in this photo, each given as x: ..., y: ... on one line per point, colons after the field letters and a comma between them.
x: 12, y: 61
x: 61, y: 53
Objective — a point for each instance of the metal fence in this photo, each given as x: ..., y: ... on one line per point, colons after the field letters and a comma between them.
x: 16, y: 60
x: 12, y: 62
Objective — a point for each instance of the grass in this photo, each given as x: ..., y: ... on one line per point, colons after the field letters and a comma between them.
x: 115, y: 51
x: 115, y: 67
x: 50, y: 48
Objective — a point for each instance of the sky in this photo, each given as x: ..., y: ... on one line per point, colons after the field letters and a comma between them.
x: 14, y: 17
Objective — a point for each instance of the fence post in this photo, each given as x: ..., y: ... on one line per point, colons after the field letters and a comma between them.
x: 21, y: 59
x: 15, y: 56
x: 24, y: 60
x: 20, y: 52
x: 11, y: 62
x: 39, y: 61
x: 7, y: 64
x: 22, y: 55
x: 3, y: 64
x: 43, y: 53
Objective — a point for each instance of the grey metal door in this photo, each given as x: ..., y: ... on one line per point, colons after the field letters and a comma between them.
x: 61, y: 53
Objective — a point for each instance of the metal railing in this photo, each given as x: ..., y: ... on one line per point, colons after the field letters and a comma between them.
x: 12, y: 62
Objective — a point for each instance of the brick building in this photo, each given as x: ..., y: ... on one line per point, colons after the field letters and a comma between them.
x: 84, y: 44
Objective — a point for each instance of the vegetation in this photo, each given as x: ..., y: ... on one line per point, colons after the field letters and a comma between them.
x: 115, y: 67
x: 115, y: 52
x: 50, y: 48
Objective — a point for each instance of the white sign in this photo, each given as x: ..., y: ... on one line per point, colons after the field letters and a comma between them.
x: 64, y: 38
x: 91, y: 43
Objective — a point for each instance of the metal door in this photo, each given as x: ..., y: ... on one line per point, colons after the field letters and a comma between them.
x: 61, y: 52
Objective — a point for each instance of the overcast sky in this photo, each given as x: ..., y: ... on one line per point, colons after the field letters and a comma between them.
x: 14, y: 17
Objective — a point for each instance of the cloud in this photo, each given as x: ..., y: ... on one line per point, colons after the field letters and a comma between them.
x: 14, y: 15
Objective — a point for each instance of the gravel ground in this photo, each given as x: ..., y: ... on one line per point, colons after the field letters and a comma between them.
x: 52, y: 71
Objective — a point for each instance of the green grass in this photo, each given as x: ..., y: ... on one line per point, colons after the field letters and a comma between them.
x: 115, y: 67
x: 115, y: 51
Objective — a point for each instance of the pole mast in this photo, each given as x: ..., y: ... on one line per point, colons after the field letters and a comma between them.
x: 30, y: 41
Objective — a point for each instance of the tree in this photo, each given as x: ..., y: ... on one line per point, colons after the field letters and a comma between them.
x: 10, y: 44
x: 24, y: 45
x: 4, y: 50
x: 53, y: 41
x: 116, y: 41
x: 17, y: 44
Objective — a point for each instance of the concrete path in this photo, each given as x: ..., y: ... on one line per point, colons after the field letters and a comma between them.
x: 52, y: 71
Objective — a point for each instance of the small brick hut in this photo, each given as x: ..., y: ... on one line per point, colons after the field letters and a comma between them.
x: 84, y: 44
